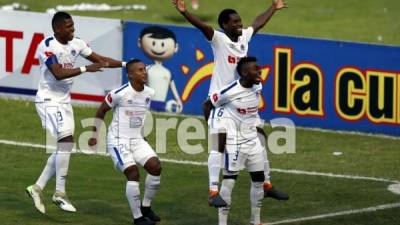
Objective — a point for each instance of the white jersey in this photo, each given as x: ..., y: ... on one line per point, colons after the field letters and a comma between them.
x: 129, y: 111
x: 226, y: 56
x: 238, y: 107
x: 53, y: 52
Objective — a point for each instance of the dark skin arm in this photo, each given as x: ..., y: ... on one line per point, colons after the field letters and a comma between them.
x: 207, y: 30
x: 207, y: 107
x: 100, y: 114
x: 61, y: 73
x: 105, y: 61
x: 264, y: 17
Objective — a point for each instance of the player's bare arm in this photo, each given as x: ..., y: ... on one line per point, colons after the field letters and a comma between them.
x: 100, y: 114
x: 106, y: 61
x: 207, y: 107
x: 264, y: 17
x: 61, y: 73
x: 207, y: 30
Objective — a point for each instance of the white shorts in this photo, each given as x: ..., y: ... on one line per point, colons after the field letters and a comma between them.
x: 248, y: 156
x: 129, y: 152
x: 57, y: 118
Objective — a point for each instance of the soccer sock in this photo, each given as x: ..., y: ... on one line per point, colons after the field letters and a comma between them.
x: 214, y: 166
x: 256, y: 196
x: 152, y: 184
x: 266, y: 168
x: 226, y: 192
x: 48, y: 171
x: 62, y: 162
x: 133, y: 196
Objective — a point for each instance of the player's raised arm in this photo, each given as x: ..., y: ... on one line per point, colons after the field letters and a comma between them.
x: 106, y: 61
x: 264, y: 17
x: 207, y: 30
x: 61, y: 73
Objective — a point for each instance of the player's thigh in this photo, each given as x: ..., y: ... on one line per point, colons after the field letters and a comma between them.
x: 120, y: 153
x: 255, y: 162
x: 142, y: 151
x: 56, y: 118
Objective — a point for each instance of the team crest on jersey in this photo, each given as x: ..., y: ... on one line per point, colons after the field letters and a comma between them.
x: 231, y: 45
x: 73, y: 52
x: 242, y: 47
x: 215, y: 97
x: 147, y: 100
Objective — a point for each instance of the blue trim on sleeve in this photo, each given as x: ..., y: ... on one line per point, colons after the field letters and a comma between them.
x: 47, y: 41
x: 51, y: 60
x: 229, y: 87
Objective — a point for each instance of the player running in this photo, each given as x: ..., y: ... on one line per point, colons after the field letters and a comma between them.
x: 239, y: 104
x: 228, y: 47
x: 57, y: 56
x: 126, y: 144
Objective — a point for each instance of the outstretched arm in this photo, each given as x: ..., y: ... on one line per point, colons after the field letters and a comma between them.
x: 264, y: 17
x: 207, y: 30
x: 106, y: 61
x: 61, y: 73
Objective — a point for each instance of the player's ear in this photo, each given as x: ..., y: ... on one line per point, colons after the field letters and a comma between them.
x: 176, y: 47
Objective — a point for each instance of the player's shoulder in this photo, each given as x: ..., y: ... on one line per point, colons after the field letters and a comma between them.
x: 47, y: 42
x: 229, y: 87
x: 120, y: 90
x: 148, y: 90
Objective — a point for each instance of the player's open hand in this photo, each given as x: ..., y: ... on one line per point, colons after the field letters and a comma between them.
x: 179, y: 5
x: 279, y: 4
x: 95, y: 67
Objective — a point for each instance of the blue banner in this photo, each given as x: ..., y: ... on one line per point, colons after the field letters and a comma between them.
x: 316, y: 83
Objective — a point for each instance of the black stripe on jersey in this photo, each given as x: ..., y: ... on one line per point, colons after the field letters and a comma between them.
x: 229, y: 87
x: 47, y: 41
x: 126, y: 85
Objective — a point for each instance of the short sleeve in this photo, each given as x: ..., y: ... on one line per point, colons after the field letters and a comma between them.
x: 85, y: 50
x: 248, y: 33
x: 217, y: 37
x: 223, y: 96
x: 112, y: 99
x: 46, y: 54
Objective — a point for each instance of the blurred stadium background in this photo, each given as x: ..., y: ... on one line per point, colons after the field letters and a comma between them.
x: 325, y: 188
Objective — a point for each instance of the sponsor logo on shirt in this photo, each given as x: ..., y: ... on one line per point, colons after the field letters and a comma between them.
x: 73, y: 52
x: 249, y: 110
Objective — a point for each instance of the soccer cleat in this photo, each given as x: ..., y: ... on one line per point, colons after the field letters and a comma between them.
x: 216, y: 200
x: 35, y: 192
x: 147, y: 212
x: 275, y: 193
x: 143, y: 221
x: 61, y: 200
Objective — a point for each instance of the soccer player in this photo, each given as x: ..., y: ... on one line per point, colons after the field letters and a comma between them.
x: 228, y: 47
x: 126, y: 144
x: 241, y: 142
x: 57, y: 56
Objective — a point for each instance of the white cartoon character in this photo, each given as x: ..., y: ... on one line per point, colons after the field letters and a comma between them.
x: 159, y: 44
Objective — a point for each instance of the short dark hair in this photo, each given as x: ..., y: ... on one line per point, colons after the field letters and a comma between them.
x: 243, y: 61
x: 131, y: 62
x: 224, y: 15
x: 59, y: 18
x: 158, y: 32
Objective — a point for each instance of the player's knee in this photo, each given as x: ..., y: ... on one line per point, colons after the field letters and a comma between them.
x: 153, y: 166
x: 257, y: 176
x: 132, y: 173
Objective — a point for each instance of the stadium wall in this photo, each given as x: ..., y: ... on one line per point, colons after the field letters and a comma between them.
x: 316, y: 83
x: 20, y: 34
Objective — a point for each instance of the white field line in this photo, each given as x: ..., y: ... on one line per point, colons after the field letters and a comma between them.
x: 341, y: 213
x: 197, y: 163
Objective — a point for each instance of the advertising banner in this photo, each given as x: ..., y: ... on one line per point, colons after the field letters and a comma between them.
x: 316, y: 83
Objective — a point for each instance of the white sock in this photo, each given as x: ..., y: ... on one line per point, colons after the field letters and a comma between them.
x: 225, y: 193
x: 62, y: 162
x: 266, y: 169
x: 214, y: 167
x: 133, y: 196
x: 256, y: 197
x: 48, y: 171
x: 152, y: 184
